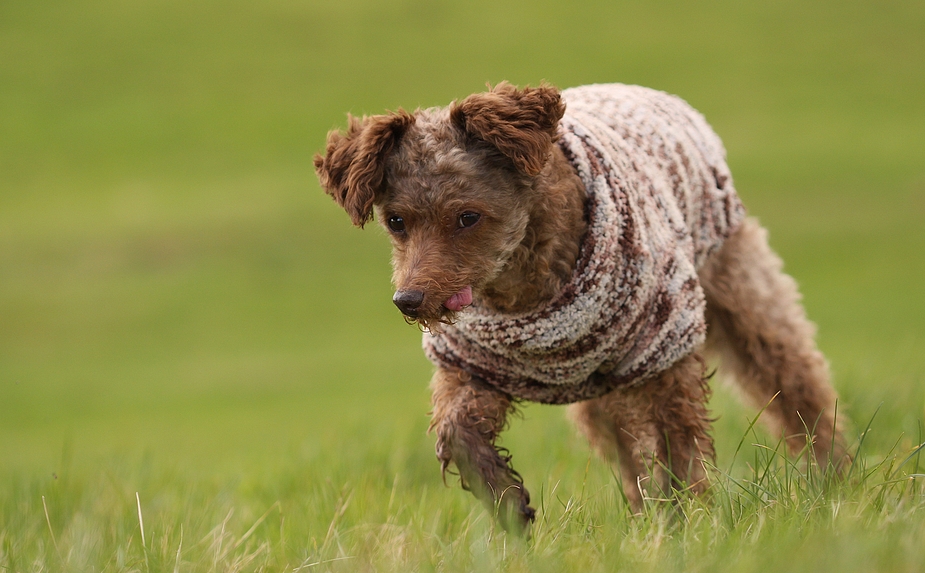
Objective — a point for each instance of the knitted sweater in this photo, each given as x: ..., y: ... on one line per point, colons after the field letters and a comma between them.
x: 660, y: 201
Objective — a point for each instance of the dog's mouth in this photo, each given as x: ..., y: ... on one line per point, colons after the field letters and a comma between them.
x: 460, y: 300
x: 428, y: 316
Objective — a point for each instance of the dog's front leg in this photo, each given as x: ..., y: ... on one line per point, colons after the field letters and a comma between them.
x: 468, y: 415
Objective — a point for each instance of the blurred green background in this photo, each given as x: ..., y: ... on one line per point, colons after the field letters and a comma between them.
x: 175, y: 287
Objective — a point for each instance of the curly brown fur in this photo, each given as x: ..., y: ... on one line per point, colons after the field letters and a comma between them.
x: 352, y: 169
x: 467, y: 417
x: 521, y: 124
x: 659, y: 431
x: 479, y: 201
x: 759, y: 329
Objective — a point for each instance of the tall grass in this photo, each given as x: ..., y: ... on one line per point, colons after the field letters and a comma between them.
x: 325, y: 513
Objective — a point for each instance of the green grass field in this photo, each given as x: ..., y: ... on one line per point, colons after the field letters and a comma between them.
x: 185, y: 317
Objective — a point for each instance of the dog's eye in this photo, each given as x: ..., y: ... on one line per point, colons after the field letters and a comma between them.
x: 469, y: 219
x: 397, y: 224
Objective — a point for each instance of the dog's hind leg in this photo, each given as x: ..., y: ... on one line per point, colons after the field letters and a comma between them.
x: 468, y: 415
x: 759, y: 329
x: 659, y: 431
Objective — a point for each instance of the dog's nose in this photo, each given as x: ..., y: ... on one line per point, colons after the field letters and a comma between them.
x: 408, y: 301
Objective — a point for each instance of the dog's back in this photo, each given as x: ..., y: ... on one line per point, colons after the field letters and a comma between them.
x: 662, y: 145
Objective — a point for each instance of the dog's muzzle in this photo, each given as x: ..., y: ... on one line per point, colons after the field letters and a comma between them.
x: 408, y: 301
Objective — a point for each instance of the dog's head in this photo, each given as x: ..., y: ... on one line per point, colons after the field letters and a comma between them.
x: 453, y: 188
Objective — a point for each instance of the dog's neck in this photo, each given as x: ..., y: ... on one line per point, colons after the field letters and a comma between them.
x: 543, y: 262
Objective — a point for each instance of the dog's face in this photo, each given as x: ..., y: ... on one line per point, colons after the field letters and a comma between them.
x: 452, y: 187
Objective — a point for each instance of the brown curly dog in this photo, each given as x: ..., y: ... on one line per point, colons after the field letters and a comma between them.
x: 583, y: 247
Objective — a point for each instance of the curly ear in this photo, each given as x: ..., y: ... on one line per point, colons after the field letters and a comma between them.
x: 352, y: 171
x: 521, y: 124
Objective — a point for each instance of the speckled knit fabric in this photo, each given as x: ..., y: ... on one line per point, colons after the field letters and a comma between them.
x: 660, y: 200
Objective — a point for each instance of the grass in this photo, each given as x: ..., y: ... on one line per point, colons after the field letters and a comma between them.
x: 379, y: 512
x: 185, y: 317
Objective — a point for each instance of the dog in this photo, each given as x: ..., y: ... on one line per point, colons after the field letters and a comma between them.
x: 582, y: 247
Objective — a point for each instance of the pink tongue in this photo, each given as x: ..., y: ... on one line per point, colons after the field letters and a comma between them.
x: 460, y: 300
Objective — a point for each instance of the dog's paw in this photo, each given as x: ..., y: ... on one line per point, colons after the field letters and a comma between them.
x: 514, y: 512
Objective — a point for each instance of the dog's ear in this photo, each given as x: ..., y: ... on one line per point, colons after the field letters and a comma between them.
x: 521, y: 124
x: 352, y: 169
